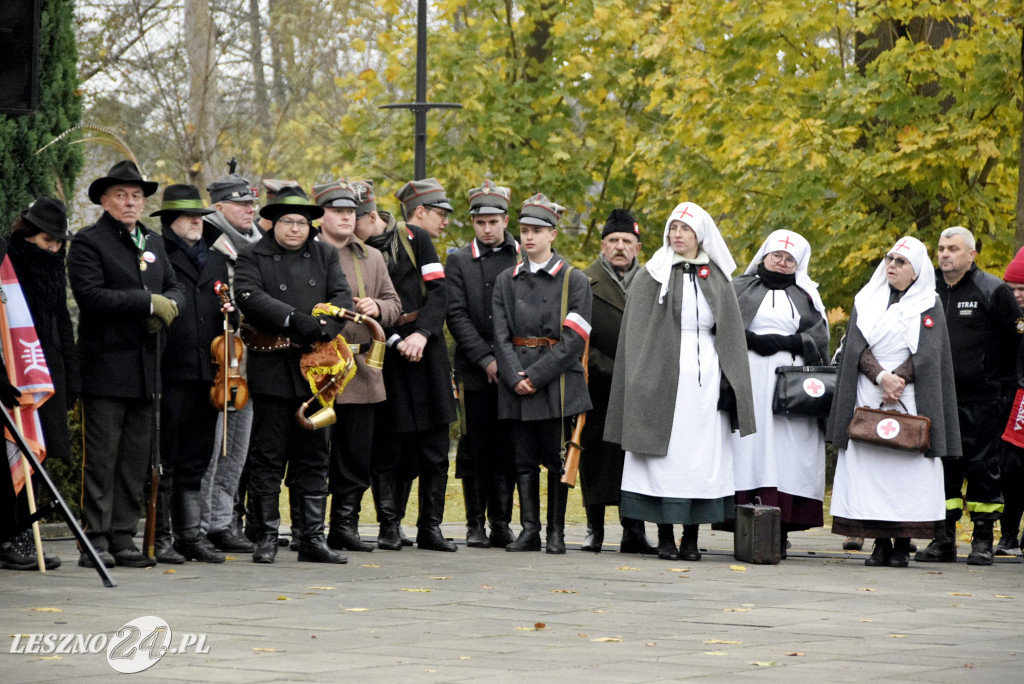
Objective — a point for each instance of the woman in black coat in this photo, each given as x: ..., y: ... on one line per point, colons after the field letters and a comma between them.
x: 37, y: 252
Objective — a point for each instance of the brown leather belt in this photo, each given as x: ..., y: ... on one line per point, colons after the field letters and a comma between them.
x: 533, y: 341
x: 407, y: 317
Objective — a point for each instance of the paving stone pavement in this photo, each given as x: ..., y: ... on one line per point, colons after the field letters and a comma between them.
x: 487, y: 615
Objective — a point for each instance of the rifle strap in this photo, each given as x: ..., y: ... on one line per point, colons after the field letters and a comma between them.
x: 561, y: 378
x: 405, y: 239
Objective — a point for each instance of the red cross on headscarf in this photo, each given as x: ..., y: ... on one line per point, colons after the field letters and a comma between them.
x: 684, y: 213
x: 903, y: 245
x: 787, y: 243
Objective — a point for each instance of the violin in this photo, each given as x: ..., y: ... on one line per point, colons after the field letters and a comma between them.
x: 229, y: 388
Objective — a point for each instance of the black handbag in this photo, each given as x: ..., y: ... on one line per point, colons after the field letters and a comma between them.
x: 804, y: 391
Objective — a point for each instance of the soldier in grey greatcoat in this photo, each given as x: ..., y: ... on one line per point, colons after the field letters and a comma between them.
x: 538, y: 343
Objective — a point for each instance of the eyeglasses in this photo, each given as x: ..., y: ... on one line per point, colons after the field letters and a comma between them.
x: 782, y: 258
x: 443, y: 213
x: 288, y: 223
x: 898, y: 260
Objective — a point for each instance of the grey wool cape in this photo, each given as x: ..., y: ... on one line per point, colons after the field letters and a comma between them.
x: 935, y: 391
x: 646, y: 364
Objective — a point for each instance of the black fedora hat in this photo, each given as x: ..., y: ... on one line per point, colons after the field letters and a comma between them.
x: 291, y: 200
x: 122, y: 173
x: 49, y: 216
x: 181, y: 199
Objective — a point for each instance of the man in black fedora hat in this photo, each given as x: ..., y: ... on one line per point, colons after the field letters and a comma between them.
x: 127, y: 293
x: 189, y: 421
x: 411, y: 426
x: 278, y: 282
x: 37, y: 253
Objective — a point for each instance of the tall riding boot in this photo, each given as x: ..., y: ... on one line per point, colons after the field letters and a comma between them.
x: 499, y: 510
x: 188, y: 538
x: 667, y: 542
x: 402, y: 503
x: 688, y: 550
x: 942, y: 549
x: 294, y: 504
x: 595, y: 529
x: 385, y: 494
x: 558, y: 495
x: 312, y: 544
x: 529, y: 513
x: 265, y: 518
x: 634, y: 538
x: 163, y: 543
x: 344, y: 532
x: 981, y: 544
x: 428, y: 526
x: 476, y: 507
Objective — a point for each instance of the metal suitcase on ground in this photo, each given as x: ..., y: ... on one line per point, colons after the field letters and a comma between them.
x: 756, y: 539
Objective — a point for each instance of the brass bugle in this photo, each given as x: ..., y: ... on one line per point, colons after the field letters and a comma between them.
x: 322, y: 418
x: 375, y: 357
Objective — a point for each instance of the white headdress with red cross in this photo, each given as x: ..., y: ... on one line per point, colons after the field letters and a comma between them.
x: 873, y: 299
x: 710, y: 240
x: 796, y: 246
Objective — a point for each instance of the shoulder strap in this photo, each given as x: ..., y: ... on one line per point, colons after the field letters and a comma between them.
x: 406, y: 241
x: 561, y: 378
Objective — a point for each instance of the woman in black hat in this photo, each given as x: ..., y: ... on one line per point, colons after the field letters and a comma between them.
x: 278, y: 281
x: 37, y: 252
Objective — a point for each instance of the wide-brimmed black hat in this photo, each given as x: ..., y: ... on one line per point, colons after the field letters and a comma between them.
x: 181, y: 199
x: 49, y: 216
x: 122, y: 173
x: 291, y: 200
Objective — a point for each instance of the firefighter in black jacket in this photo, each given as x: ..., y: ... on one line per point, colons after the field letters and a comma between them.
x: 278, y: 281
x: 981, y: 314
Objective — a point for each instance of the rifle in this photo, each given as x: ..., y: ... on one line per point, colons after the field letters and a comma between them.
x: 571, y: 464
x: 155, y: 467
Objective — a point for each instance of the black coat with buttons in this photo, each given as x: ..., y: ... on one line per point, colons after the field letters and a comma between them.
x: 271, y: 283
x: 187, y: 355
x: 471, y: 272
x: 114, y: 296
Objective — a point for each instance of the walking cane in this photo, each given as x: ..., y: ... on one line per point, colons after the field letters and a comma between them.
x: 155, y: 467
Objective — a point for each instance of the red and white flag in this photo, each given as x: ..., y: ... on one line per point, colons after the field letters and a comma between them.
x: 26, y: 368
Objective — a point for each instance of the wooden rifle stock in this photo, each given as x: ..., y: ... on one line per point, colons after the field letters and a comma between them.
x: 571, y: 464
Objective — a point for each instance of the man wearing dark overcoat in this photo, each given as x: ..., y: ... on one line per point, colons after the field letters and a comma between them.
x: 127, y: 296
x: 601, y: 462
x: 278, y: 282
x: 188, y: 419
x: 411, y: 428
x: 484, y: 460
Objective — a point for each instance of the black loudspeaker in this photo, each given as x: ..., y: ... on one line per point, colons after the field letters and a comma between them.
x: 19, y: 56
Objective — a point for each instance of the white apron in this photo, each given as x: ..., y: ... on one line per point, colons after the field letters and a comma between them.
x: 878, y: 483
x: 785, y: 453
x: 698, y: 464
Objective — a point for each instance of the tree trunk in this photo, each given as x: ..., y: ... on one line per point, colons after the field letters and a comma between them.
x: 200, y: 38
x: 261, y: 97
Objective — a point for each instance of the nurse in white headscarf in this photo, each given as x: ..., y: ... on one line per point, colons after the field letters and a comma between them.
x: 681, y: 351
x: 896, y: 350
x: 783, y: 463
